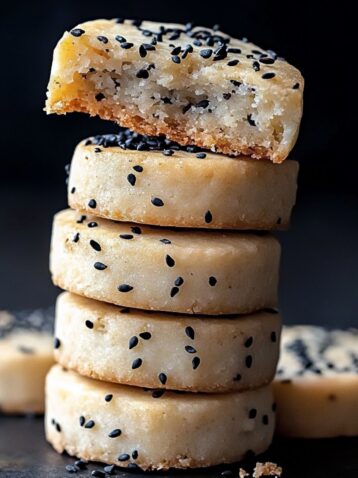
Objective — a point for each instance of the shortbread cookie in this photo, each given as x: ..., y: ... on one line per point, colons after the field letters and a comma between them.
x: 239, y: 193
x: 161, y: 269
x: 26, y: 355
x: 128, y: 346
x: 316, y: 387
x: 193, y: 84
x: 134, y: 427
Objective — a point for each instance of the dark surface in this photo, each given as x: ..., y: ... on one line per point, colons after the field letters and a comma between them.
x: 25, y: 454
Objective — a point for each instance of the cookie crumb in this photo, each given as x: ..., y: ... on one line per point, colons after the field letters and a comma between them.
x: 266, y: 469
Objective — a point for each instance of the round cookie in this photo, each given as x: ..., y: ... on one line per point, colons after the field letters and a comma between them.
x: 120, y: 184
x: 196, y: 353
x: 26, y: 351
x: 132, y: 427
x: 316, y: 387
x: 160, y: 269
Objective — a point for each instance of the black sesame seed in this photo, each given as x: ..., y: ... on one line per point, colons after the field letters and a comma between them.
x: 138, y: 168
x: 109, y: 469
x: 234, y: 50
x: 92, y: 224
x: 77, y: 32
x: 145, y: 335
x: 95, y: 245
x: 179, y: 281
x: 133, y: 341
x: 89, y: 324
x: 71, y: 468
x: 81, y: 464
x: 202, y: 104
x: 265, y: 419
x: 226, y: 96
x: 252, y: 413
x: 249, y: 342
x: 56, y: 343
x: 163, y: 378
x: 97, y: 150
x: 250, y: 120
x: 267, y: 60
x: 158, y: 393
x: 176, y: 59
x: 126, y: 236
x: 137, y: 22
x: 190, y: 349
x: 186, y: 108
x: 81, y: 219
x: 82, y: 420
x: 136, y: 230
x: 142, y: 73
x: 157, y: 202
x: 165, y: 241
x: 190, y: 332
x: 58, y: 427
x: 123, y: 457
x: 296, y: 86
x: 235, y: 83
x: 92, y: 203
x: 168, y: 152
x: 256, y: 66
x: 142, y: 51
x: 73, y: 190
x: 126, y: 45
x: 100, y: 96
x: 248, y: 361
x: 169, y: 260
x: 120, y: 39
x: 232, y: 62
x: 99, y: 266
x: 125, y: 288
x: 176, y: 50
x: 102, y: 39
x: 98, y: 474
x: 201, y: 155
x: 132, y: 466
x: 268, y: 76
x: 212, y: 281
x: 108, y: 397
x: 273, y: 337
x: 76, y: 237
x: 131, y: 179
x: 195, y: 362
x: 115, y: 433
x: 90, y: 424
x: 134, y: 454
x: 174, y: 291
x: 206, y: 53
x: 208, y: 217
x: 136, y: 363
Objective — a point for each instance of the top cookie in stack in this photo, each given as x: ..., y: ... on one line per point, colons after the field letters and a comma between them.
x: 193, y: 84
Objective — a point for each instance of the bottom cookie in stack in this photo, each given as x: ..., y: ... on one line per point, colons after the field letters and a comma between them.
x: 26, y: 353
x: 134, y: 427
x: 316, y: 387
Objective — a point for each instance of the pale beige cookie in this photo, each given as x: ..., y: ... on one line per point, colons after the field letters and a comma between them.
x: 316, y: 387
x: 26, y: 355
x: 201, y: 354
x: 129, y: 426
x: 161, y: 269
x: 238, y: 192
x: 194, y: 85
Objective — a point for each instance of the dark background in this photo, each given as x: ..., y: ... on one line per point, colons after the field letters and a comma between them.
x: 320, y: 252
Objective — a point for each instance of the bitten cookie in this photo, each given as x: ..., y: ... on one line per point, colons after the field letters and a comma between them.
x: 121, y: 181
x: 160, y: 269
x: 193, y: 84
x: 26, y: 355
x: 200, y: 354
x: 316, y: 386
x: 132, y: 427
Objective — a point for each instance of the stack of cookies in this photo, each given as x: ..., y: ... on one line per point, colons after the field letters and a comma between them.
x: 167, y: 338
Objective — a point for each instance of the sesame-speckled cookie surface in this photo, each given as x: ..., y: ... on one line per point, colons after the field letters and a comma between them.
x: 162, y: 351
x: 161, y: 269
x: 125, y: 172
x: 26, y: 355
x: 194, y: 84
x: 138, y: 428
x: 316, y: 385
